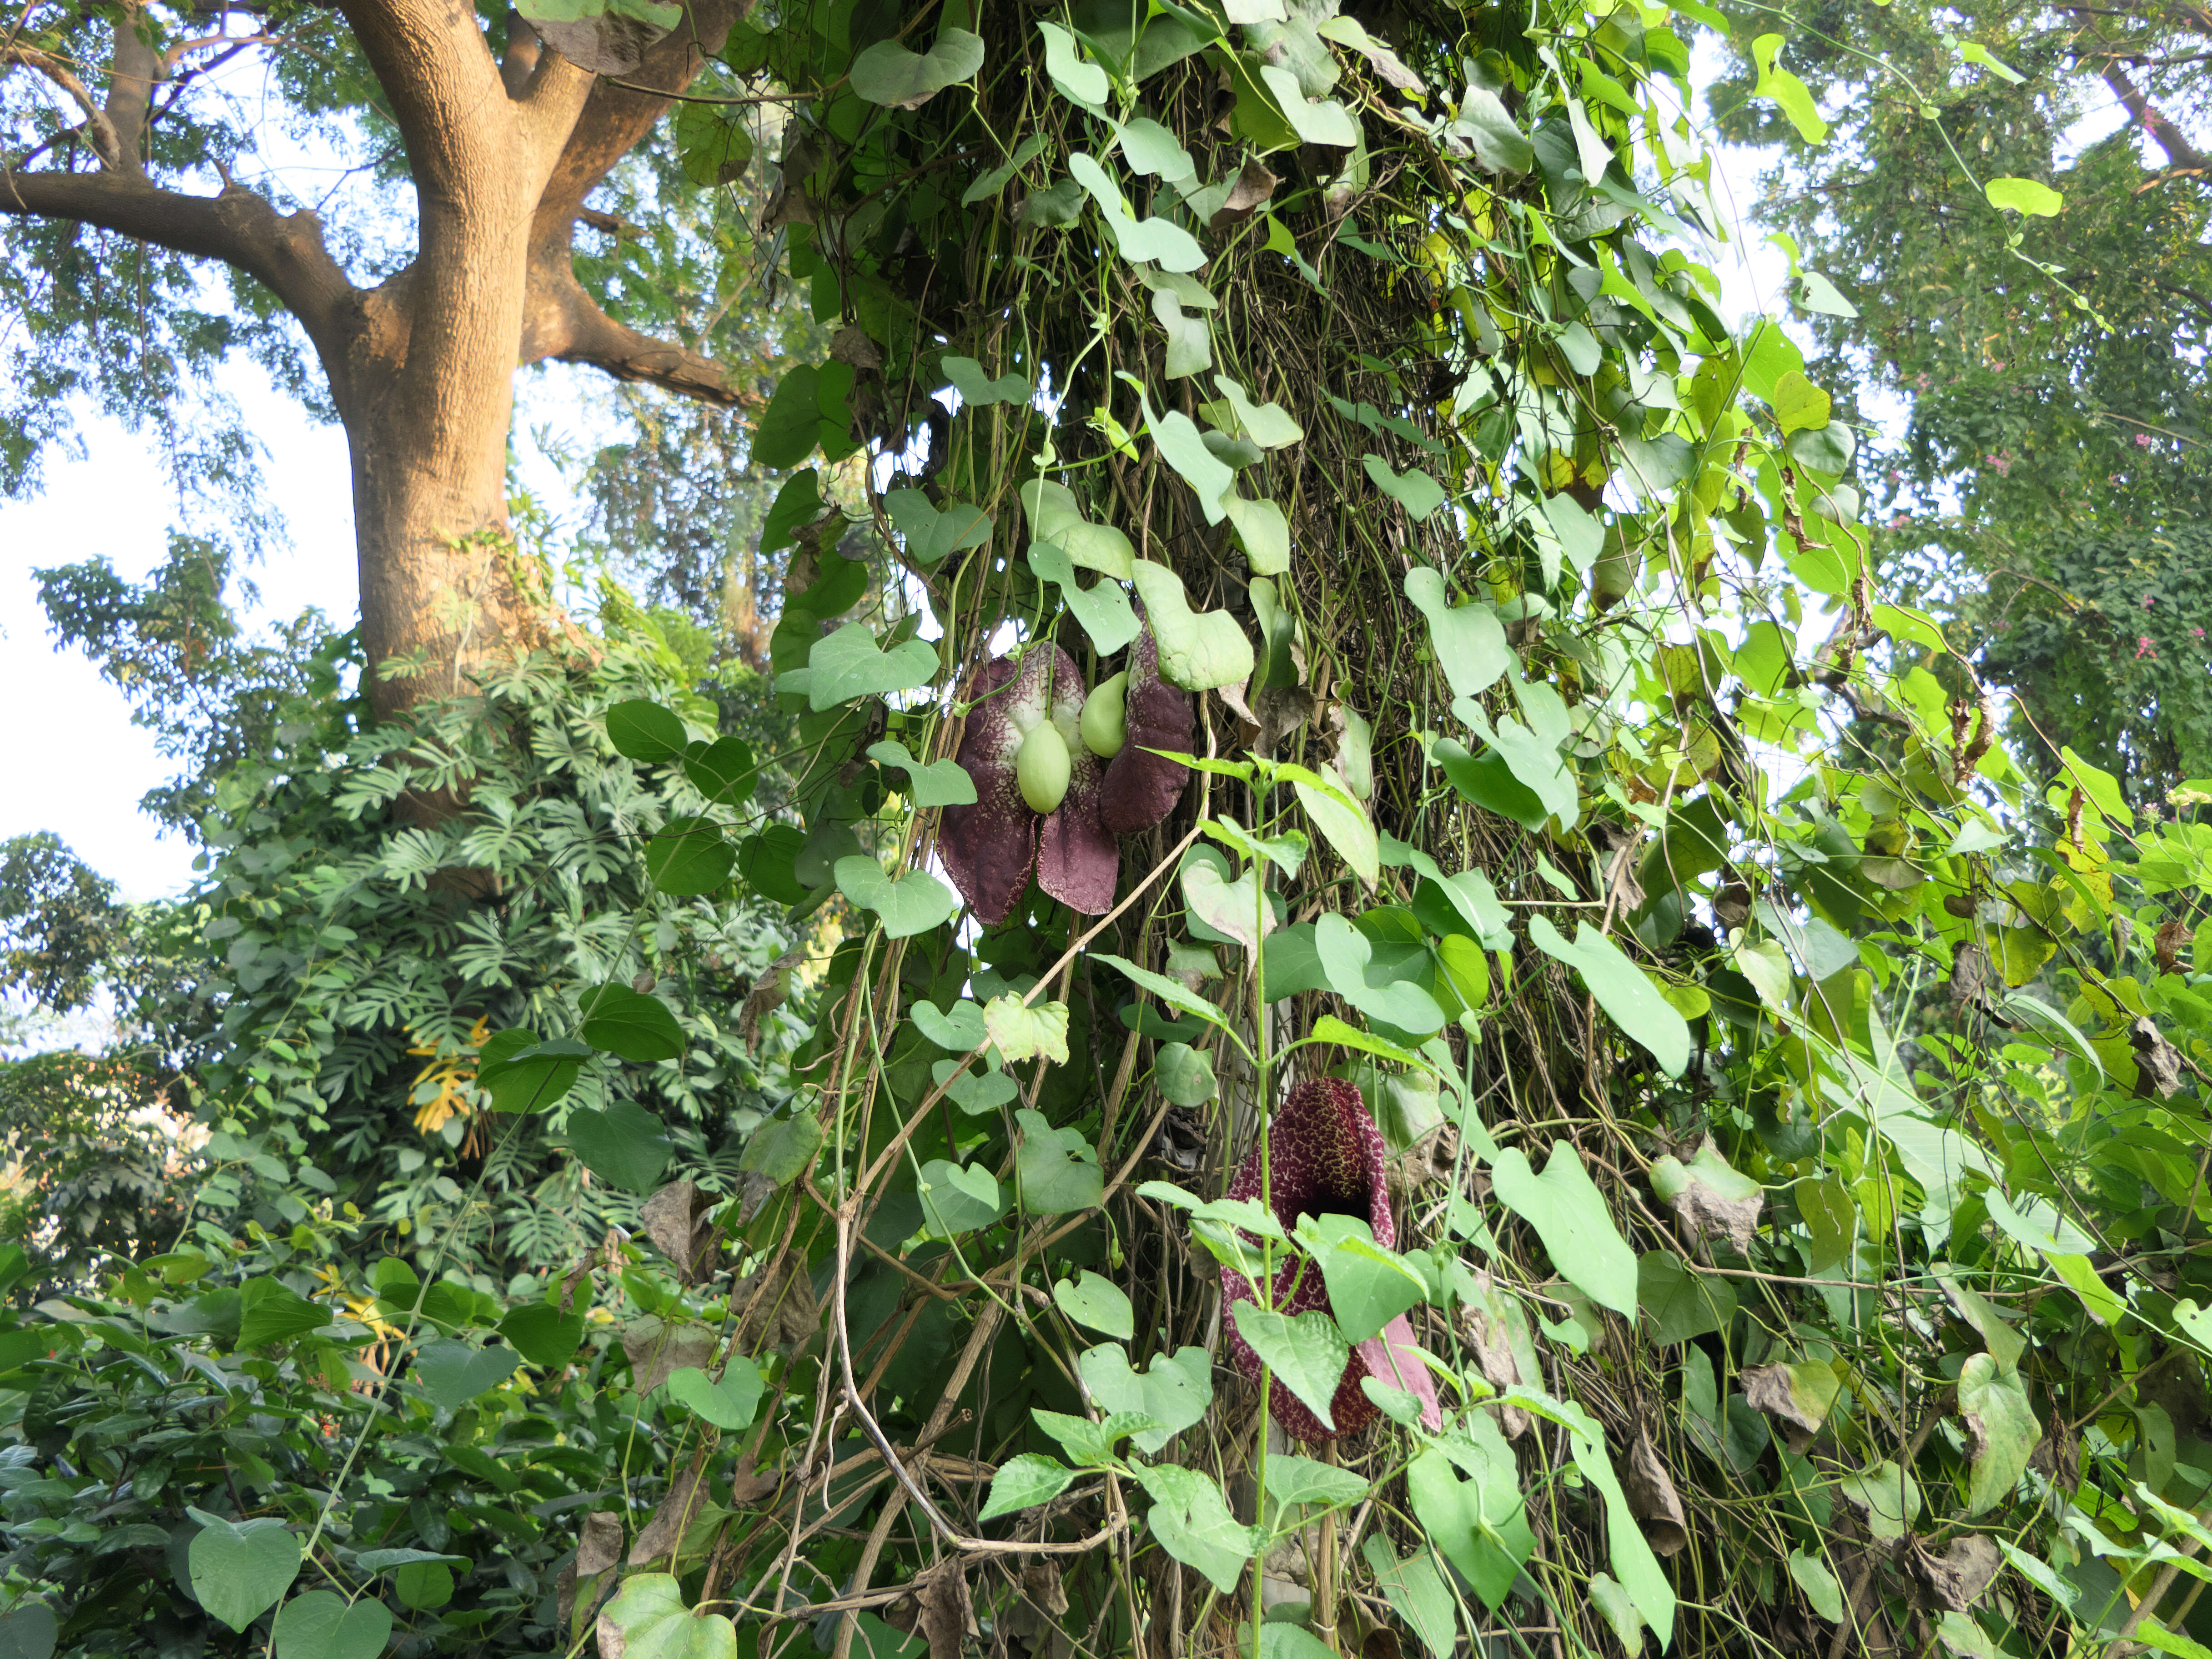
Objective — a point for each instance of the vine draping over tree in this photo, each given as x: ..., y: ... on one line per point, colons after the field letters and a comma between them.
x: 1470, y: 1006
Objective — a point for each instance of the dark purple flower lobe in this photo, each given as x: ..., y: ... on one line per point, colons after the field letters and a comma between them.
x: 1325, y: 1157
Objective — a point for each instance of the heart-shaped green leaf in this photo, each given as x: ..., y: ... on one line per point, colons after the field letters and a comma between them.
x: 1193, y: 1523
x: 1622, y: 990
x: 915, y: 903
x: 688, y: 856
x: 941, y: 783
x: 454, y: 1373
x: 1173, y: 1390
x: 723, y: 771
x: 978, y: 390
x: 1570, y: 1215
x: 240, y: 1569
x: 809, y: 408
x: 543, y: 1334
x: 1307, y: 1352
x: 642, y: 730
x: 1058, y: 1171
x: 1102, y: 608
x: 1468, y: 639
x: 848, y: 664
x: 974, y: 1092
x: 1412, y: 490
x: 1025, y: 1481
x: 629, y: 1024
x: 522, y: 1074
x: 729, y: 1405
x: 957, y: 1199
x: 1023, y: 1032
x: 888, y: 74
x: 959, y: 1029
x: 1184, y: 1075
x: 1097, y: 1303
x: 1198, y: 651
x: 650, y: 1619
x: 624, y: 1145
x: 782, y: 1147
x: 271, y: 1311
x: 934, y: 534
x: 28, y: 1630
x: 1347, y: 958
x: 321, y: 1625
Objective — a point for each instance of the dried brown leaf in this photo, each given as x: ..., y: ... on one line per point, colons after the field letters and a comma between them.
x: 851, y: 344
x: 660, y: 1535
x: 1970, y: 973
x: 948, y: 1617
x: 779, y: 1308
x: 658, y: 1346
x: 675, y: 1219
x: 1768, y: 1387
x: 1652, y: 1499
x: 769, y: 993
x: 2158, y: 1062
x: 1956, y: 1578
x: 1253, y: 186
x: 2172, y: 934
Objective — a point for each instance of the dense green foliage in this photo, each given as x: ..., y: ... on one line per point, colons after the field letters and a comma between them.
x: 2050, y: 481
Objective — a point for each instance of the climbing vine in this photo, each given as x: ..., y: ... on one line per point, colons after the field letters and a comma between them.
x: 1433, y: 1023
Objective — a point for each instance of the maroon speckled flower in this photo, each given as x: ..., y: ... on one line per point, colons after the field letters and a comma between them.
x: 991, y: 849
x: 1325, y: 1157
x: 1140, y: 787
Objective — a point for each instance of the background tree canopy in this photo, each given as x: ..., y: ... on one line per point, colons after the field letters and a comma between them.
x: 1266, y: 912
x: 2050, y: 489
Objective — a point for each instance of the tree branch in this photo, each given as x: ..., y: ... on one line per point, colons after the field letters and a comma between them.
x: 284, y: 252
x: 617, y: 118
x: 468, y: 143
x: 2179, y: 152
x: 97, y: 128
x: 133, y: 67
x: 564, y: 323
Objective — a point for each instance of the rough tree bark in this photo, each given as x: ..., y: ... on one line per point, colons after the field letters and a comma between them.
x: 421, y: 367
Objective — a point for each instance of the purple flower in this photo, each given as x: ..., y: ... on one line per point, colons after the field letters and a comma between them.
x: 1141, y: 789
x: 992, y: 849
x: 1325, y: 1157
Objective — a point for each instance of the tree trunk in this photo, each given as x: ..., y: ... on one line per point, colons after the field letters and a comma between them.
x: 422, y: 367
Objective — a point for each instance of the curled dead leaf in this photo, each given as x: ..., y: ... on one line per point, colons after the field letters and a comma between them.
x: 656, y: 1346
x: 1710, y: 1198
x: 676, y: 1220
x: 1488, y: 1336
x: 779, y: 1308
x: 1796, y: 1397
x: 662, y: 1534
x: 1732, y: 906
x: 1652, y: 1499
x: 1253, y: 186
x: 1956, y: 1578
x: 948, y: 1616
x: 769, y: 992
x: 2172, y: 934
x: 1970, y: 973
x: 2158, y: 1062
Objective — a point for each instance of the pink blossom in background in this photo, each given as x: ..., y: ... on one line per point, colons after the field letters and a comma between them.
x: 2144, y: 649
